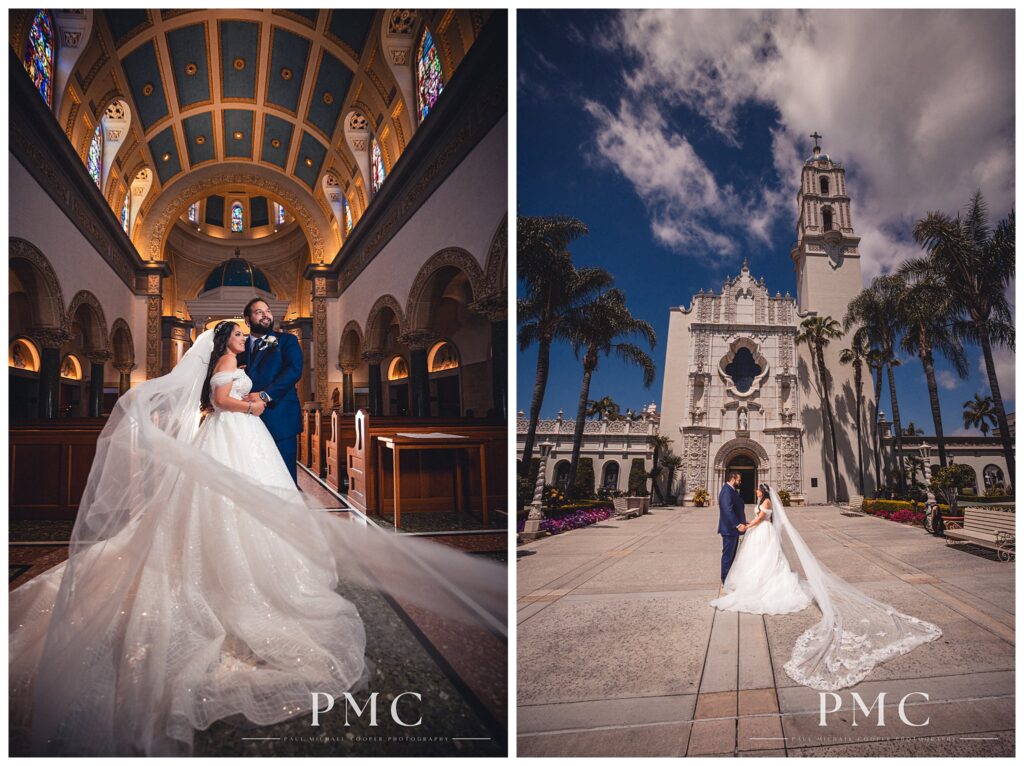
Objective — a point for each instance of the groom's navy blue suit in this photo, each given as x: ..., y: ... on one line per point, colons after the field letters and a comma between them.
x: 277, y: 371
x: 730, y: 515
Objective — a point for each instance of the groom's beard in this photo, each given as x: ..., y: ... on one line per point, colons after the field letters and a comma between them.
x: 259, y: 330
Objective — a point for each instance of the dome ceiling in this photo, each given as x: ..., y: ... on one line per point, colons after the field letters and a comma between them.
x: 262, y: 86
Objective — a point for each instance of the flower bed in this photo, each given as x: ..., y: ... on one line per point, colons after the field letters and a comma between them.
x: 563, y: 520
x: 902, y: 515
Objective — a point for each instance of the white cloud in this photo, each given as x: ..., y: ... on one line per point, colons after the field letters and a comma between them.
x: 1005, y: 362
x: 918, y: 105
x: 947, y: 380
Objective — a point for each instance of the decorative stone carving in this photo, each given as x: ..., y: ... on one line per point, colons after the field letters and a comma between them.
x: 787, y: 461
x: 373, y: 357
x: 493, y: 306
x: 51, y: 297
x: 153, y: 334
x: 418, y: 340
x: 50, y: 337
x: 452, y: 256
x: 695, y: 460
x: 401, y: 22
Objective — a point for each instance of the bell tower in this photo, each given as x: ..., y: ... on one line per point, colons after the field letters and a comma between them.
x: 826, y: 255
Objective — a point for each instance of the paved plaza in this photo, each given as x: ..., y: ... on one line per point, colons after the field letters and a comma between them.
x: 620, y: 654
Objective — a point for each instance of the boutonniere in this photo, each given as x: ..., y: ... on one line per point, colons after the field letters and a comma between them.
x: 269, y: 341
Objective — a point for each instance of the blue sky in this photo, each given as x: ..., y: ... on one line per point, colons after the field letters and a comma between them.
x: 678, y: 137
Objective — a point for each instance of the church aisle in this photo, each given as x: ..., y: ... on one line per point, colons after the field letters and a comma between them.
x: 657, y: 672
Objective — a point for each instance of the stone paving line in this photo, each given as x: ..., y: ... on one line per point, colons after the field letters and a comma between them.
x: 729, y: 695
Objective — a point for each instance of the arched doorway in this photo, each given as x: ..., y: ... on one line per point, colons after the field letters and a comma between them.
x: 746, y: 465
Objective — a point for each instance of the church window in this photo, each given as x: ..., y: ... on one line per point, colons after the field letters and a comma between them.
x: 94, y: 160
x: 429, y: 78
x: 611, y: 475
x: 348, y: 215
x: 38, y: 59
x: 826, y: 219
x: 993, y: 475
x: 823, y: 181
x: 193, y: 212
x: 280, y: 214
x: 125, y: 210
x: 237, y: 218
x: 377, y: 170
x: 562, y: 474
x: 743, y: 369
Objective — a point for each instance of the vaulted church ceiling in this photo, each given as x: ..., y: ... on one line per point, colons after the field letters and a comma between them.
x: 263, y: 86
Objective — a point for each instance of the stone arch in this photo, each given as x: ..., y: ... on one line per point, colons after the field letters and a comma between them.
x: 94, y: 328
x: 42, y: 284
x: 350, y: 348
x: 496, y: 266
x: 374, y: 339
x: 172, y: 202
x: 734, y: 446
x: 121, y: 342
x: 421, y: 297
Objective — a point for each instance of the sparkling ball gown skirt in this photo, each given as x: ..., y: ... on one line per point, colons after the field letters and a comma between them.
x: 760, y: 580
x: 207, y: 613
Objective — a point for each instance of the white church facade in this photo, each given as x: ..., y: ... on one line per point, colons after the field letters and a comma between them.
x: 741, y: 394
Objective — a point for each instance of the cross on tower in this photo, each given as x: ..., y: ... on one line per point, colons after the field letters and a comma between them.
x: 817, y: 138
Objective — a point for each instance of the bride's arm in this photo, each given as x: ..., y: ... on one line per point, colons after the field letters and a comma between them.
x: 221, y: 396
x: 757, y: 519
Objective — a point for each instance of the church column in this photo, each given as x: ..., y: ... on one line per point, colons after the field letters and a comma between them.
x: 320, y: 339
x: 124, y: 381
x: 154, y: 307
x: 495, y: 308
x: 419, y: 342
x: 348, y: 392
x: 373, y: 360
x: 50, y: 340
x: 97, y: 360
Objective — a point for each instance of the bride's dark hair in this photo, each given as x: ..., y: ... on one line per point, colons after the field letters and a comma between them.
x: 766, y: 491
x: 221, y: 335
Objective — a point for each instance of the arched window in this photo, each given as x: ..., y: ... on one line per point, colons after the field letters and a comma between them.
x: 429, y: 78
x: 237, y: 218
x: 398, y: 369
x: 993, y: 476
x: 126, y: 208
x: 823, y: 182
x: 94, y: 160
x: 348, y: 215
x: 193, y: 212
x: 39, y: 56
x: 280, y: 215
x: 611, y: 475
x: 377, y: 170
x: 826, y: 219
x: 562, y: 474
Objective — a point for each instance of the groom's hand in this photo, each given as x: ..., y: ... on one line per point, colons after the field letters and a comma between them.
x: 741, y: 527
x: 252, y: 397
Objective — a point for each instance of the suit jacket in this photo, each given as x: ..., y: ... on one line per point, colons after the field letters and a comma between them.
x: 730, y: 511
x: 277, y: 371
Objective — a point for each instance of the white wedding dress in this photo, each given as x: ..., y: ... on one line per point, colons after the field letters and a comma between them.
x: 760, y: 580
x: 856, y: 632
x: 200, y: 585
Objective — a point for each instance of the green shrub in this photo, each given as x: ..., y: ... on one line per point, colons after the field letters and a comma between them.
x: 585, y: 478
x: 785, y: 497
x: 890, y: 506
x: 637, y: 478
x: 700, y: 497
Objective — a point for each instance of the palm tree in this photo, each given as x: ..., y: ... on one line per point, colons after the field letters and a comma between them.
x: 553, y: 288
x: 604, y: 408
x: 670, y: 463
x: 594, y: 331
x: 875, y: 310
x: 977, y: 265
x: 979, y: 413
x: 816, y: 332
x: 856, y: 355
x: 877, y: 364
x: 660, y: 444
x: 924, y: 311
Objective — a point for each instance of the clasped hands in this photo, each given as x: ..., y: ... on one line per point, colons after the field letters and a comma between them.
x: 743, y: 527
x: 258, y: 405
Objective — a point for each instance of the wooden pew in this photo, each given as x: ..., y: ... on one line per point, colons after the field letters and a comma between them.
x: 304, y: 453
x: 355, y: 462
x: 427, y: 482
x: 335, y: 467
x: 317, y: 444
x: 48, y: 466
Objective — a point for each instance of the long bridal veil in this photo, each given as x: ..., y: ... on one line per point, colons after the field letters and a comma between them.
x: 69, y: 640
x: 856, y: 632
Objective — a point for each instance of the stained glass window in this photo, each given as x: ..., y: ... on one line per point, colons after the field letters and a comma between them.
x: 280, y: 215
x: 94, y: 161
x: 237, y: 221
x: 376, y: 165
x: 429, y: 80
x: 126, y: 210
x: 348, y: 215
x: 39, y: 56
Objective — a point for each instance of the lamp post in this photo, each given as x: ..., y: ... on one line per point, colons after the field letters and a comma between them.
x: 532, y: 529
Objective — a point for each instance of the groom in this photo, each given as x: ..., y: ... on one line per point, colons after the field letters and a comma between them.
x: 731, y: 519
x: 274, y: 363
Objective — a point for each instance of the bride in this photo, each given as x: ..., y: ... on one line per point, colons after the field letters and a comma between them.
x: 200, y: 583
x: 856, y: 632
